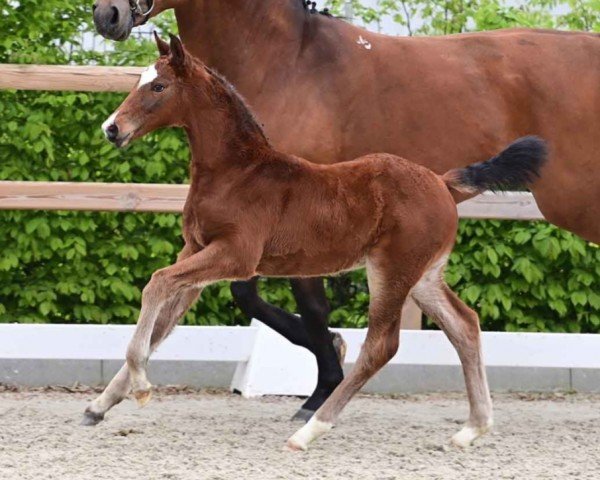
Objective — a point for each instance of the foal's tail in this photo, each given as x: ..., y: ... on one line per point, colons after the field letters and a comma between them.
x: 513, y: 168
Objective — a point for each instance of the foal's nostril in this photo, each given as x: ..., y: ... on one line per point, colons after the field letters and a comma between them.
x: 115, y: 16
x: 112, y: 131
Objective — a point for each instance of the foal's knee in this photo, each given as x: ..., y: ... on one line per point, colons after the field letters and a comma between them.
x: 157, y: 288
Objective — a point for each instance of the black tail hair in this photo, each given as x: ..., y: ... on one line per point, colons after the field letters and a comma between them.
x: 515, y: 167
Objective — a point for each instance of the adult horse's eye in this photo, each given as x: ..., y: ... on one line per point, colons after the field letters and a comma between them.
x: 158, y: 88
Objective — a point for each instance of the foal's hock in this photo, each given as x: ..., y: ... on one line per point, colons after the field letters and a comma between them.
x: 252, y: 210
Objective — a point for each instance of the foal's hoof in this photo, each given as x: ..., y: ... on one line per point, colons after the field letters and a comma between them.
x: 303, y: 415
x: 142, y: 397
x: 291, y: 446
x: 468, y: 435
x: 340, y: 347
x: 91, y: 419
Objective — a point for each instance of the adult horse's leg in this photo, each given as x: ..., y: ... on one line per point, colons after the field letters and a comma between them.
x: 309, y: 331
x: 461, y: 325
x: 329, y: 348
x: 290, y: 326
x: 120, y: 385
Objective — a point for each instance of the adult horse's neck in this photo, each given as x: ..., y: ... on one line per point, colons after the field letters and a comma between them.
x: 245, y: 40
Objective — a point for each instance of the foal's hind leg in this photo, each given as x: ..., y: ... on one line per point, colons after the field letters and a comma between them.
x: 461, y: 325
x: 383, y: 336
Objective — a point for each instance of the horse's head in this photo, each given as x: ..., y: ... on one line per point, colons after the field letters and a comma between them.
x: 114, y: 19
x: 161, y: 97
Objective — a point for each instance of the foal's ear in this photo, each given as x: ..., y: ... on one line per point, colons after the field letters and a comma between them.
x: 178, y: 54
x: 163, y: 47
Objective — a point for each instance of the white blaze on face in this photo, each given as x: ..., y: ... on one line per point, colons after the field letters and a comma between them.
x: 109, y: 121
x: 148, y: 75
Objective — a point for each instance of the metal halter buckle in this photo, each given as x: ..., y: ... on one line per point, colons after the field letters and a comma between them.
x: 137, y: 9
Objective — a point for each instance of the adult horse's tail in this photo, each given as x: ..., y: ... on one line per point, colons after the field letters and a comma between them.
x: 515, y: 167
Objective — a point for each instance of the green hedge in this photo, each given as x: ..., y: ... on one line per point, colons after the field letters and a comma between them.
x: 91, y: 267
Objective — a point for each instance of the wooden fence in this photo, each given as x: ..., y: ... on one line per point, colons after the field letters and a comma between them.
x: 72, y: 78
x: 139, y: 197
x: 166, y: 198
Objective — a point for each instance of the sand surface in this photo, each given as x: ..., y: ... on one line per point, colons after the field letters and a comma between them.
x: 191, y: 436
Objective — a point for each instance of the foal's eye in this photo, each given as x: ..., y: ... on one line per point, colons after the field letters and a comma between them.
x: 158, y: 88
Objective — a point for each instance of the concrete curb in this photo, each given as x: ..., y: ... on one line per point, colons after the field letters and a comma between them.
x: 218, y: 374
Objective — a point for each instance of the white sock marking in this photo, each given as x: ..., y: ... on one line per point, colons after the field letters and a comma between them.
x: 465, y: 437
x: 309, y: 432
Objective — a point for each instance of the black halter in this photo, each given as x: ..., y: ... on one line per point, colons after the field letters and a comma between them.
x: 136, y: 9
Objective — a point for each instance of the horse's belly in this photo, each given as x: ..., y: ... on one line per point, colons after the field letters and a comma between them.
x: 301, y: 264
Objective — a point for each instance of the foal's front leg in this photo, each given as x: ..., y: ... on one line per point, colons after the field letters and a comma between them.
x: 119, y: 386
x: 221, y: 260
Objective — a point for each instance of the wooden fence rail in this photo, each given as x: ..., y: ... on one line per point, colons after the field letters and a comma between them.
x: 138, y: 197
x: 74, y: 78
x: 116, y: 197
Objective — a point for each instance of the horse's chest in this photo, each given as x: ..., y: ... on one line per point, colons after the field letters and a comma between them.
x: 205, y: 221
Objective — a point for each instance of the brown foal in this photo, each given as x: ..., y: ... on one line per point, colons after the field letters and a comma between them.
x: 329, y: 91
x: 252, y: 211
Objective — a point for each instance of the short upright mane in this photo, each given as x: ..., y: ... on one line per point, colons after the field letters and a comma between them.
x: 233, y: 99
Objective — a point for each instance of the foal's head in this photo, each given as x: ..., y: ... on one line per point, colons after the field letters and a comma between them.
x: 165, y: 96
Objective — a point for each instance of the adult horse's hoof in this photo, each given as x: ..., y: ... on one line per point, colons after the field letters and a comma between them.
x: 340, y: 347
x: 303, y: 415
x: 91, y: 419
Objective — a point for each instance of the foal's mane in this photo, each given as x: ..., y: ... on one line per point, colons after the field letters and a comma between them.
x: 228, y: 96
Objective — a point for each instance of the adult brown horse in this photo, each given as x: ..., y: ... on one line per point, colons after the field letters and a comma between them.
x: 329, y: 91
x: 254, y: 210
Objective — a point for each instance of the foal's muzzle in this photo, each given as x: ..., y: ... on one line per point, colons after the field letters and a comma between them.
x: 113, y: 19
x: 114, y: 135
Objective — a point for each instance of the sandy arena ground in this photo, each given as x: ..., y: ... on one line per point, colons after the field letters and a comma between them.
x: 187, y: 436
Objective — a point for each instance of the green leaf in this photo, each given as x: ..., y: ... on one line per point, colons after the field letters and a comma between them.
x: 579, y: 298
